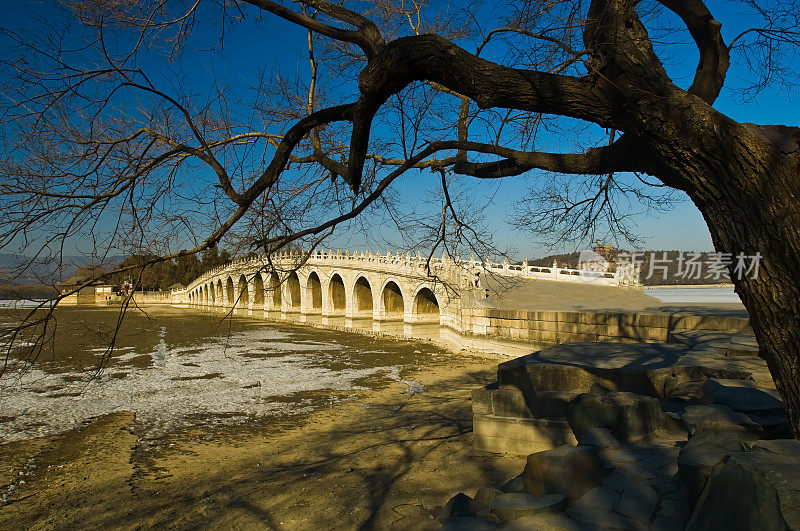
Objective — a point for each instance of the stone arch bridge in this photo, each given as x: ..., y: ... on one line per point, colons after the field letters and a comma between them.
x: 331, y: 284
x: 365, y: 285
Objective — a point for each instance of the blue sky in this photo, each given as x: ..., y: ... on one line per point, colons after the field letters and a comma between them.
x: 282, y: 50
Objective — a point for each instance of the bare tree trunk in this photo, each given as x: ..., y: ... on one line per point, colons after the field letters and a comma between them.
x: 752, y: 207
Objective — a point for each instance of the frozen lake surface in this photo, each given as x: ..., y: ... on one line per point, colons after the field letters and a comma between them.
x: 694, y: 295
x: 176, y: 369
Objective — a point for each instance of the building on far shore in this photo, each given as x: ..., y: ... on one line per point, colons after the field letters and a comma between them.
x: 93, y: 293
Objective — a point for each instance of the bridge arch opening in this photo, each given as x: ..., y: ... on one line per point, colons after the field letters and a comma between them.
x: 362, y: 297
x: 392, y: 300
x: 426, y: 307
x: 220, y: 294
x: 275, y: 289
x: 229, y: 291
x: 337, y: 294
x: 210, y: 288
x: 258, y: 290
x: 293, y: 291
x: 315, y: 291
x: 242, y: 296
x: 203, y: 295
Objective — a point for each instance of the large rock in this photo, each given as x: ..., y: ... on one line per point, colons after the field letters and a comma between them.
x: 468, y: 523
x: 484, y: 496
x: 718, y: 417
x: 515, y: 505
x: 605, y: 519
x: 570, y: 470
x: 545, y: 522
x: 598, y: 498
x: 751, y: 490
x: 701, y: 454
x: 775, y: 446
x: 638, y: 502
x: 515, y: 484
x: 627, y: 415
x: 598, y: 437
x: 743, y: 396
x: 459, y: 505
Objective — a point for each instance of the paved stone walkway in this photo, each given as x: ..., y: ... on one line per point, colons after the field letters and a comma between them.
x: 526, y: 294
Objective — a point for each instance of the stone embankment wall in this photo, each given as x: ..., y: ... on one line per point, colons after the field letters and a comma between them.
x: 554, y: 327
x: 152, y: 297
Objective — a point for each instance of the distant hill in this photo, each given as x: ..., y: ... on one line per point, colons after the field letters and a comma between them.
x: 667, y: 269
x: 21, y: 270
x: 27, y: 291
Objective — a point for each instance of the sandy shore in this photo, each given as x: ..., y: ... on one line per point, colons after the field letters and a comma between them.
x: 385, y: 460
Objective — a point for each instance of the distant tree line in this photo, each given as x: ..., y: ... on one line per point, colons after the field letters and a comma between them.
x: 163, y: 275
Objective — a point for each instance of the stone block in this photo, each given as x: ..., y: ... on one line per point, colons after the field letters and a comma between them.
x: 599, y: 438
x: 497, y: 313
x: 682, y: 322
x: 552, y: 404
x: 655, y: 334
x: 513, y: 506
x: 598, y: 498
x: 484, y: 496
x: 547, y: 316
x: 458, y: 505
x: 512, y: 403
x: 547, y: 326
x: 569, y: 317
x: 581, y: 328
x: 482, y: 400
x: 515, y: 484
x: 468, y: 523
x: 743, y: 396
x: 576, y: 338
x: 717, y: 417
x: 613, y: 330
x: 750, y: 490
x: 544, y: 335
x: 519, y: 436
x: 598, y: 318
x: 701, y: 454
x: 653, y: 320
x: 775, y: 446
x: 627, y: 415
x: 545, y: 522
x: 638, y: 501
x: 569, y: 470
x: 605, y: 519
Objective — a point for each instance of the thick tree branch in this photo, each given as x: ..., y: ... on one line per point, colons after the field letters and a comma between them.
x: 366, y: 36
x: 626, y: 154
x: 434, y: 58
x: 714, y: 59
x: 294, y: 135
